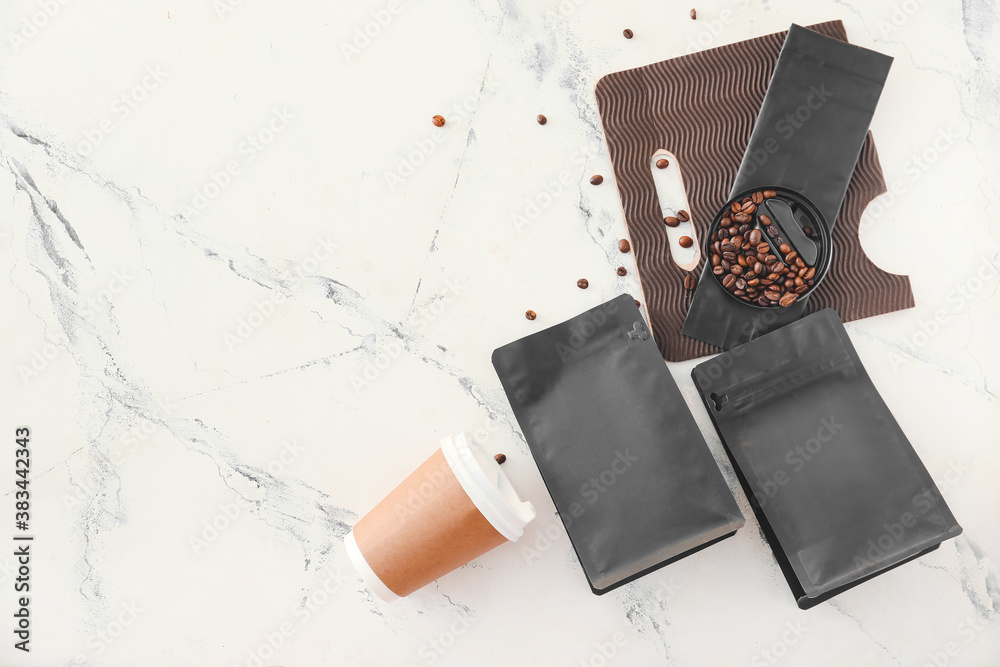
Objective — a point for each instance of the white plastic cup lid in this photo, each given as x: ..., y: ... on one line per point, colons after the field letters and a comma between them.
x: 487, y: 486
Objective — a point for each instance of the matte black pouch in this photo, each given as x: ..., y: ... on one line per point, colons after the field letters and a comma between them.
x: 807, y: 138
x: 629, y: 471
x: 837, y: 488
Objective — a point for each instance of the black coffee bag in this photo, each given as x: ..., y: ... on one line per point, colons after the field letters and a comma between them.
x: 627, y: 468
x: 836, y: 486
x: 807, y: 138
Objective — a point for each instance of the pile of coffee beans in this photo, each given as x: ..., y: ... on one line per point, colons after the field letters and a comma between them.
x: 754, y: 263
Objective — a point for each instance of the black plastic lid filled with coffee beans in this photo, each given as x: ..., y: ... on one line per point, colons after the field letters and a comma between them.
x: 802, y: 152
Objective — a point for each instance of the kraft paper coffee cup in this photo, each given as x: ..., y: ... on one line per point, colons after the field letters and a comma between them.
x: 455, y: 507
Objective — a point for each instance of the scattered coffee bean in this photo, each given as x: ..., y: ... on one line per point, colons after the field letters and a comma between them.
x: 621, y: 271
x: 624, y: 246
x: 757, y: 197
x: 689, y: 282
x: 754, y: 237
x: 662, y: 163
x: 542, y: 120
x: 807, y: 230
x: 784, y: 248
x: 582, y: 283
x: 694, y: 15
x: 438, y: 120
x: 719, y: 270
x: 770, y: 194
x: 530, y: 314
x: 500, y: 458
x: 790, y: 257
x: 685, y: 242
x: 765, y: 220
x: 628, y: 33
x: 788, y: 299
x: 596, y: 179
x: 671, y: 221
x: 729, y: 280
x: 683, y: 216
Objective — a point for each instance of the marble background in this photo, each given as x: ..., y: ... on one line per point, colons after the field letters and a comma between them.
x: 248, y: 286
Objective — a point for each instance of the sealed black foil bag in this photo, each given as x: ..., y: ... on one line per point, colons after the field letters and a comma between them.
x: 838, y: 490
x: 807, y: 138
x: 627, y: 468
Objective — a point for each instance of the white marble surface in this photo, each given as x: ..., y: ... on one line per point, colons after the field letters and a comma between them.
x: 183, y: 361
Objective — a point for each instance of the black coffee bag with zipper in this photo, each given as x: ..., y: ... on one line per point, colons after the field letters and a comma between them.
x: 836, y: 486
x: 629, y: 472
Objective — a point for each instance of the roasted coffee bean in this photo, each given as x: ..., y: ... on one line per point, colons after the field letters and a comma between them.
x: 749, y: 274
x: 809, y: 273
x: 778, y: 267
x: 762, y: 300
x: 741, y: 218
x: 770, y: 194
x: 736, y: 270
x: 671, y: 221
x: 784, y: 248
x: 741, y: 260
x: 754, y: 282
x: 741, y: 284
x: 771, y: 296
x: 735, y: 207
x: 685, y: 242
x: 749, y: 207
x: 725, y: 264
x: 771, y: 231
x: 800, y: 290
x: 596, y: 179
x: 628, y: 33
x: 790, y: 257
x: 683, y: 216
x: 758, y: 268
x: 530, y: 314
x: 807, y: 230
x: 736, y: 242
x: 717, y: 247
x: 542, y: 120
x: 500, y: 458
x: 621, y: 271
x: 715, y: 236
x: 731, y: 256
x: 770, y: 259
x: 799, y: 263
x: 757, y: 197
x: 624, y: 246
x: 694, y: 15
x: 719, y: 270
x: 715, y: 259
x: 773, y: 277
x: 789, y: 283
x: 788, y: 300
x: 438, y: 120
x: 754, y: 237
x: 727, y: 246
x: 583, y: 283
x: 799, y: 282
x: 744, y: 228
x: 689, y: 282
x: 728, y: 281
x: 739, y: 292
x: 745, y: 298
x: 765, y: 220
x: 725, y: 234
x: 763, y: 248
x: 662, y: 163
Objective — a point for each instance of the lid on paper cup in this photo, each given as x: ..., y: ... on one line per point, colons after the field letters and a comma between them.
x: 367, y: 574
x: 487, y: 486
